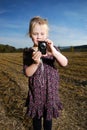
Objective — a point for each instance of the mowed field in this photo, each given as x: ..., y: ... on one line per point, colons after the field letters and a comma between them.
x: 14, y: 89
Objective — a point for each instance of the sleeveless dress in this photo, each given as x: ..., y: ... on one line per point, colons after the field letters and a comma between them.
x: 43, y: 87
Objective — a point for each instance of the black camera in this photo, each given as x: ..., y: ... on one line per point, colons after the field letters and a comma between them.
x: 42, y: 46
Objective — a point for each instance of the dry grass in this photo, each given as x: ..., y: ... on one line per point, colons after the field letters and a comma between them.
x: 13, y: 92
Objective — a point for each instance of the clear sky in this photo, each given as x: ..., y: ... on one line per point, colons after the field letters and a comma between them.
x: 67, y: 21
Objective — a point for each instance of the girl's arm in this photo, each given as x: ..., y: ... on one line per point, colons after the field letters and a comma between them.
x: 30, y: 70
x: 61, y: 59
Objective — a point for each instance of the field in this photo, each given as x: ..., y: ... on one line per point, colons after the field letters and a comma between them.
x: 14, y: 88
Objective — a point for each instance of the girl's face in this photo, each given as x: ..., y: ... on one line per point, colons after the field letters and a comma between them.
x: 39, y: 33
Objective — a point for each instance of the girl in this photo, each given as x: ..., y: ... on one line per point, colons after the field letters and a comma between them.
x: 43, y: 98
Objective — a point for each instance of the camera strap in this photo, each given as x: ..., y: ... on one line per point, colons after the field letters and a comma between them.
x: 42, y: 66
x: 42, y: 74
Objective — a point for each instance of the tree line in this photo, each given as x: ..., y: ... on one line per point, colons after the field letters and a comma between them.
x: 8, y: 49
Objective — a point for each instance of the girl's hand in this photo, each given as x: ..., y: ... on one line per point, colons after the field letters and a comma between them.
x: 49, y: 42
x: 37, y: 57
x: 50, y: 45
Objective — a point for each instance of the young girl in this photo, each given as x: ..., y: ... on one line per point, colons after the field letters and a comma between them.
x: 43, y: 98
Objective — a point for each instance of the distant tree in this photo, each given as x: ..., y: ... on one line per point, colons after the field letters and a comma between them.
x: 72, y: 49
x: 8, y: 48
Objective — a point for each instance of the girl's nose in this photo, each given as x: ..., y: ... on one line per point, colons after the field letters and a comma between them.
x: 39, y: 36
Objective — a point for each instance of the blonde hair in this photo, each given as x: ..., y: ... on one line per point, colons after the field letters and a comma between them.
x: 36, y: 20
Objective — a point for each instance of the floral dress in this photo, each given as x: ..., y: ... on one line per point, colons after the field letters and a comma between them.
x: 43, y: 87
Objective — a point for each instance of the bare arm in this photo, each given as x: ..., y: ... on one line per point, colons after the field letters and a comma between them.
x: 61, y: 59
x: 30, y: 70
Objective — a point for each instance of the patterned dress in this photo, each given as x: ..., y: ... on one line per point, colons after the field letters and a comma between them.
x: 43, y: 87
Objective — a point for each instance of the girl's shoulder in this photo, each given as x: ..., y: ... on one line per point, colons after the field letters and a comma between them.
x: 27, y: 56
x: 57, y: 48
x: 27, y: 50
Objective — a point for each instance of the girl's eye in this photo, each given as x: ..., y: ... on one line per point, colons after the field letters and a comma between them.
x: 38, y: 34
x: 42, y: 33
x: 34, y: 33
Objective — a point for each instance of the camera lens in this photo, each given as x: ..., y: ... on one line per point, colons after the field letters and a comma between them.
x: 42, y: 47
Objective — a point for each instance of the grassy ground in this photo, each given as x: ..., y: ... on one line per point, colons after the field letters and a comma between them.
x: 14, y: 88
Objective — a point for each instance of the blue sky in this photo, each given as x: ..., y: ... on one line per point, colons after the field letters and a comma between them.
x: 67, y: 21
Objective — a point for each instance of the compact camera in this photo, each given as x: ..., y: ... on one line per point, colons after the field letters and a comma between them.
x: 42, y: 46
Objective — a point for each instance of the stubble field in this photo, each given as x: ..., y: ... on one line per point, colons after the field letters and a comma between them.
x: 14, y: 89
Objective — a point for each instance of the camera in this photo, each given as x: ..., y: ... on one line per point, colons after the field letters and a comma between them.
x: 42, y: 46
